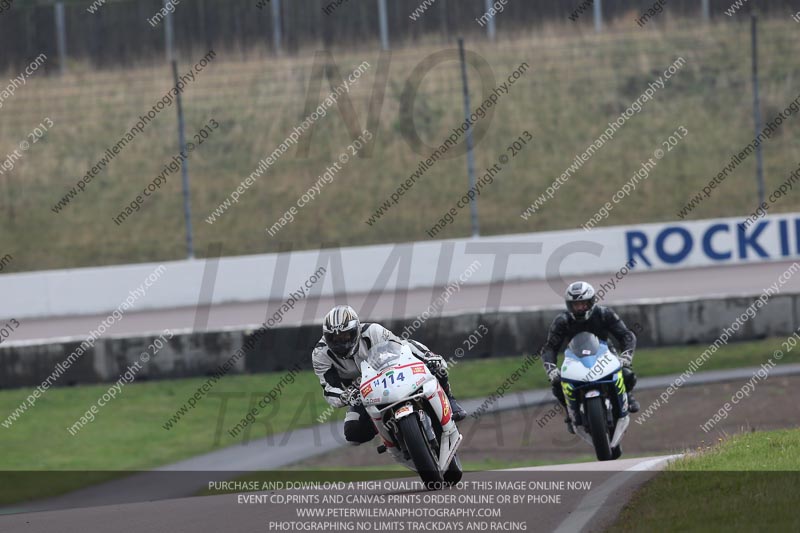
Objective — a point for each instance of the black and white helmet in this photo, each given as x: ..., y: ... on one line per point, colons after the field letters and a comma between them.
x: 580, y: 300
x: 341, y: 330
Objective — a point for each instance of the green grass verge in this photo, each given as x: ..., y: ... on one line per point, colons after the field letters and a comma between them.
x: 128, y: 433
x: 747, y: 483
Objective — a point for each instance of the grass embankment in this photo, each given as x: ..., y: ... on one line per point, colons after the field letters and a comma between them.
x: 576, y: 84
x: 128, y: 433
x: 746, y: 483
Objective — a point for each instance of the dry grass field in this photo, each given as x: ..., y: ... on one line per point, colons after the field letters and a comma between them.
x: 575, y: 85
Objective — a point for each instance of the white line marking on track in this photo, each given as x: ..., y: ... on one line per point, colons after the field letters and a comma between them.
x: 593, y: 501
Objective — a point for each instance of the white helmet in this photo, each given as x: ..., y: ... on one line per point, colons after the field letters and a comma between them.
x: 580, y: 300
x: 341, y: 331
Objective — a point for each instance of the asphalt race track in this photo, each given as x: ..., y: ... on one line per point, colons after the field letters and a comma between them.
x: 538, y: 433
x: 576, y: 510
x: 508, y: 432
x: 747, y: 279
x: 567, y: 498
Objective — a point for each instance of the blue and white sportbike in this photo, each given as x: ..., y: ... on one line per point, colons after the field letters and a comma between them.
x: 591, y: 377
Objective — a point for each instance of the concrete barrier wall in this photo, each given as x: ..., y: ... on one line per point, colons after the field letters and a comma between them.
x: 507, y: 333
x: 393, y: 267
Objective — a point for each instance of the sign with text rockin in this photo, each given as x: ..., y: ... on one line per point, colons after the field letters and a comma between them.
x: 714, y: 242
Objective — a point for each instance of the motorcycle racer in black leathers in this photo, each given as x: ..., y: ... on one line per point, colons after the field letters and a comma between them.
x: 337, y: 359
x: 583, y: 314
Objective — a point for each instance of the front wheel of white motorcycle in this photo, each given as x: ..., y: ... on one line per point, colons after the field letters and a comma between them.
x: 420, y: 451
x: 454, y: 472
x: 598, y: 428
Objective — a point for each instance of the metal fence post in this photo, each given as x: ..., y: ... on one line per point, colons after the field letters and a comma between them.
x: 169, y: 35
x: 384, y: 24
x: 473, y: 205
x: 61, y: 37
x: 757, y: 109
x: 491, y: 28
x: 706, y: 9
x: 277, y: 32
x: 187, y: 207
x: 598, y: 15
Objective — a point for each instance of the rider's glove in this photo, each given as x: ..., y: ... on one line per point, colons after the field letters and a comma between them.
x: 435, y: 363
x: 351, y: 396
x: 627, y: 358
x: 554, y: 374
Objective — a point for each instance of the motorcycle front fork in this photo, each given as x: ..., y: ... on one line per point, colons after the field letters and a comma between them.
x: 428, y: 427
x: 389, y: 438
x: 574, y: 413
x: 621, y: 408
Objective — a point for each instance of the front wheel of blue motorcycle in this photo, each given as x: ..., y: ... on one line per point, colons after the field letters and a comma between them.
x: 598, y: 427
x: 616, y: 452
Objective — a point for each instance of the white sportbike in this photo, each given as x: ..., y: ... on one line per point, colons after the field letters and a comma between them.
x: 412, y: 413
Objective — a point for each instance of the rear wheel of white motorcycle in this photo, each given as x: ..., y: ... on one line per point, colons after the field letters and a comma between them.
x: 420, y: 450
x: 453, y: 473
x: 598, y: 428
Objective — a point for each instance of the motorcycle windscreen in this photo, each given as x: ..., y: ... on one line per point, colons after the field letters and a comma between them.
x: 586, y: 345
x: 383, y: 355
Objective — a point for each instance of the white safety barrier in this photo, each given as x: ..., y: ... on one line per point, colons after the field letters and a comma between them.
x: 393, y: 267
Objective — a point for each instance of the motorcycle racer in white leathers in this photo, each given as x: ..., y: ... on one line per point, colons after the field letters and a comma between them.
x: 337, y: 359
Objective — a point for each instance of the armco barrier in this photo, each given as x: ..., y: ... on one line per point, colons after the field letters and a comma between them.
x: 510, y: 333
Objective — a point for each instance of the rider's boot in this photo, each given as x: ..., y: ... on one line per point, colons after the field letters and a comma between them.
x: 630, y: 382
x: 633, y: 405
x: 458, y: 412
